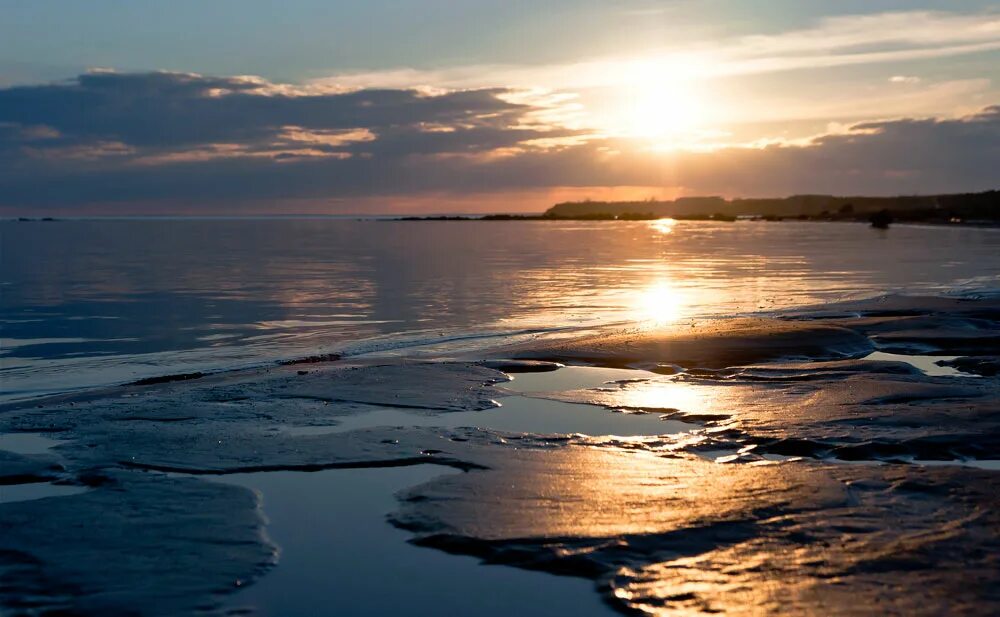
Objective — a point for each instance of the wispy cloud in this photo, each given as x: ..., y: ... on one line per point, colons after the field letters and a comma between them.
x: 592, y: 93
x: 833, y: 41
x: 905, y: 29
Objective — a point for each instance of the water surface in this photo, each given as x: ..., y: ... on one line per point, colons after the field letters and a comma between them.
x: 339, y: 556
x: 88, y: 302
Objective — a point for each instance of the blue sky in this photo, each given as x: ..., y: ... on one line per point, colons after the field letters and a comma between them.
x: 301, y: 39
x: 611, y: 98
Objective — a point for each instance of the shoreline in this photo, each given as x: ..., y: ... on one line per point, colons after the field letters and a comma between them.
x: 515, y: 218
x: 754, y: 417
x: 420, y: 350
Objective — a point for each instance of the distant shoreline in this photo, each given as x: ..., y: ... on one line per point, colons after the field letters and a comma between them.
x: 723, y: 219
x: 977, y: 209
x: 968, y: 209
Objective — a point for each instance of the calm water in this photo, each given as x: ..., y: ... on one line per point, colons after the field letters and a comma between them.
x: 98, y: 302
x: 340, y: 557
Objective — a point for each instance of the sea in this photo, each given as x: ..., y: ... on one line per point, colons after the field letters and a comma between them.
x: 97, y: 302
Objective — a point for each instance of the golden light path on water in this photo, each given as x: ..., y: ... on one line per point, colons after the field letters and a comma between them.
x: 673, y: 287
x: 659, y: 304
x: 664, y: 226
x: 660, y: 394
x: 244, y: 292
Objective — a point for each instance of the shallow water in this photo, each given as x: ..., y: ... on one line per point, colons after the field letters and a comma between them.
x: 106, y: 301
x: 526, y: 414
x: 27, y: 443
x: 9, y: 493
x: 928, y: 365
x: 518, y: 414
x: 339, y: 556
x: 571, y: 378
x: 630, y: 503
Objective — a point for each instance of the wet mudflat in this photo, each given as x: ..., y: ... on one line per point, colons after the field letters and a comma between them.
x: 783, y: 481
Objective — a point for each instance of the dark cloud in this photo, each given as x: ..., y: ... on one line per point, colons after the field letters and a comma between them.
x: 174, y: 109
x: 187, y: 139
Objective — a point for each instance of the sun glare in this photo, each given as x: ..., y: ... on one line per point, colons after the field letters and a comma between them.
x: 659, y: 102
x: 661, y: 110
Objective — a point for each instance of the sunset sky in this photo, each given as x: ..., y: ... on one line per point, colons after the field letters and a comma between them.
x: 309, y: 106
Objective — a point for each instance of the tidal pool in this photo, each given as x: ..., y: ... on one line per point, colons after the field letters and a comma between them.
x: 927, y: 364
x: 339, y: 556
x: 30, y: 444
x: 9, y: 493
x: 27, y: 443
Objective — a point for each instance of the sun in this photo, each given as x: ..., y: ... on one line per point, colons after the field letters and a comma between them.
x: 658, y: 100
x: 661, y: 109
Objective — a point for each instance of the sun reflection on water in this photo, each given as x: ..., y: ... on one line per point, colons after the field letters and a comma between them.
x: 659, y: 394
x: 669, y: 395
x: 659, y: 304
x: 664, y: 226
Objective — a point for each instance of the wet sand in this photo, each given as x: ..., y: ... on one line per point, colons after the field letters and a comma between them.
x: 782, y: 482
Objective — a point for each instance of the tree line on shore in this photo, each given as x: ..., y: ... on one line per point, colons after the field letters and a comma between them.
x: 967, y: 208
x: 963, y: 207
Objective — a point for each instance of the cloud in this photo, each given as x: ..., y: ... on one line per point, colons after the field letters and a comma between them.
x: 855, y: 39
x: 817, y: 72
x: 175, y: 109
x: 901, y: 156
x: 888, y: 157
x: 833, y: 41
x: 160, y: 141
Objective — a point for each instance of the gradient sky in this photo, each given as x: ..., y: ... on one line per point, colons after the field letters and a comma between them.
x: 252, y: 106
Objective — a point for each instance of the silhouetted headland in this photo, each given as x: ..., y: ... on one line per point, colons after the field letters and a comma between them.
x: 965, y: 208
